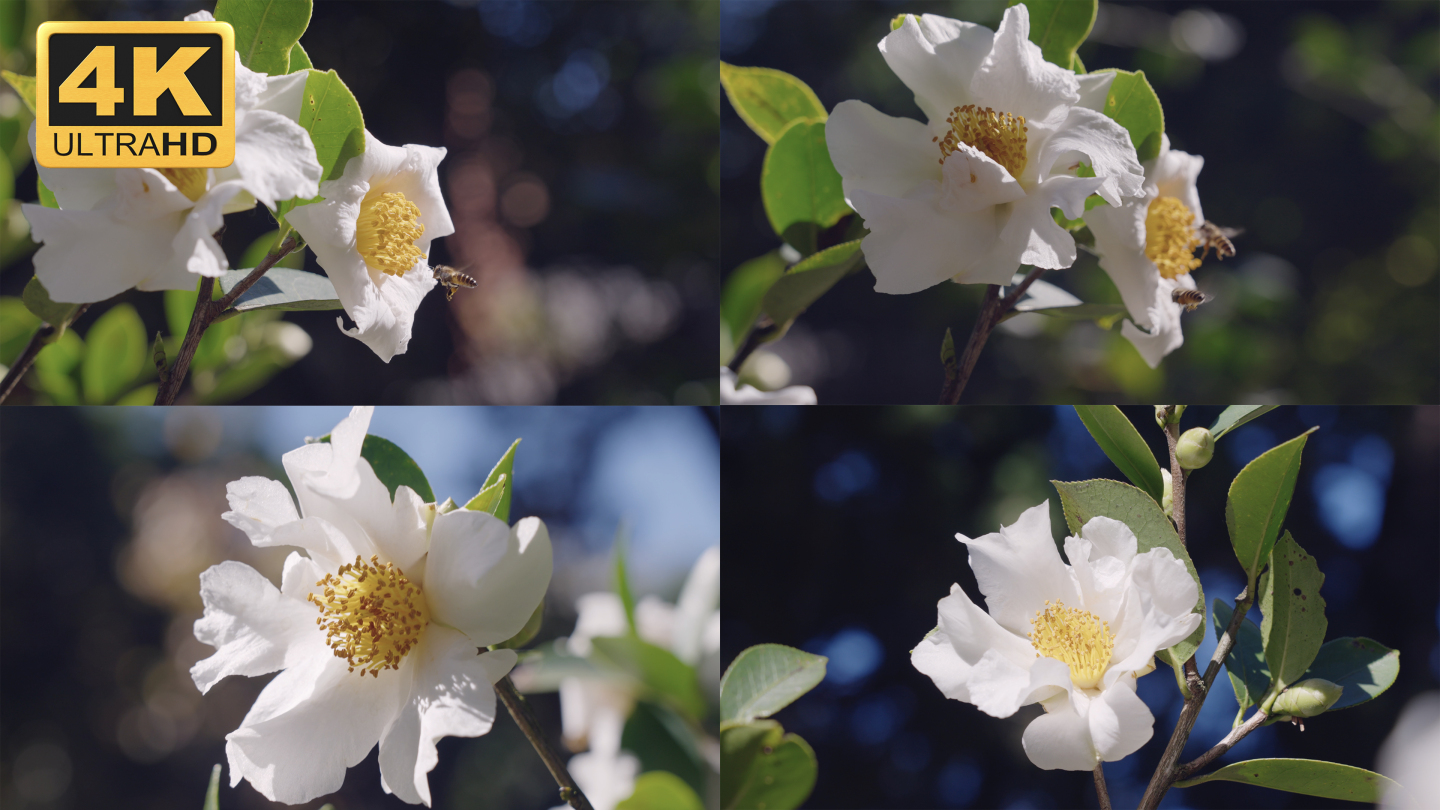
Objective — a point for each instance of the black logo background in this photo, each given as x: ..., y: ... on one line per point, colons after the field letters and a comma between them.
x: 67, y: 51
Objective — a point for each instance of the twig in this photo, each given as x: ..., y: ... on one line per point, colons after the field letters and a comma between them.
x: 759, y: 334
x: 206, y: 311
x: 1237, y: 734
x: 1177, y: 480
x: 525, y: 719
x: 1100, y: 786
x: 38, y: 341
x: 991, y: 312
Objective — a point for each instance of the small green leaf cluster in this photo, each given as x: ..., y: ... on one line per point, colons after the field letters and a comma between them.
x: 762, y: 766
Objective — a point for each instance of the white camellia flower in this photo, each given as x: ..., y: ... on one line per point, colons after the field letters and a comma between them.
x: 1148, y: 247
x: 372, y: 235
x: 376, y: 630
x: 746, y: 394
x: 1072, y: 637
x: 152, y: 228
x: 967, y: 196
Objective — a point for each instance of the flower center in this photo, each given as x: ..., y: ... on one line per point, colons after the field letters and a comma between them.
x: 191, y: 182
x: 371, y: 614
x: 1170, y: 237
x: 1001, y: 136
x: 1076, y: 637
x: 386, y: 230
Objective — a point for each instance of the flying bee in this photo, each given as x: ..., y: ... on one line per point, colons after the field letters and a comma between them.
x: 1190, y: 299
x: 452, y: 279
x: 1214, y: 236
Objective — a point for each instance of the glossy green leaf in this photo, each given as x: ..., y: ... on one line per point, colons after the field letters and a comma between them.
x: 1364, y: 667
x: 800, y: 187
x: 659, y: 790
x: 212, y: 793
x: 663, y: 741
x: 265, y: 31
x: 527, y: 633
x: 1237, y: 415
x: 1308, y: 777
x: 47, y: 197
x: 17, y: 324
x: 667, y: 677
x: 1083, y: 500
x: 1059, y: 26
x: 115, y: 357
x: 393, y: 466
x: 284, y: 289
x: 24, y: 88
x: 144, y: 395
x: 1259, y: 499
x: 1077, y: 65
x: 299, y: 59
x: 330, y: 113
x: 1132, y: 103
x: 769, y: 100
x: 1122, y: 444
x: 744, y: 289
x: 503, y: 473
x: 763, y: 767
x: 764, y: 679
x: 1249, y: 673
x: 37, y: 300
x: 622, y: 580
x: 488, y: 499
x: 1294, y: 621
x: 803, y: 284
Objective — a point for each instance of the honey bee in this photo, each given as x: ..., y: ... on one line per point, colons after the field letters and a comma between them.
x: 1214, y: 236
x: 452, y: 279
x: 1190, y: 299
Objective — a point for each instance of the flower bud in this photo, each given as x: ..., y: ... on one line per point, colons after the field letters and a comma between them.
x: 1168, y: 501
x: 1195, y: 448
x: 1307, y: 698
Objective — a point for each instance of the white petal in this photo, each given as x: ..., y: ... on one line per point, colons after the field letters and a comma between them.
x: 1094, y: 88
x: 998, y: 686
x: 699, y: 599
x: 1019, y: 568
x: 1104, y: 144
x: 285, y: 94
x: 935, y: 57
x: 452, y: 695
x: 1060, y: 738
x: 1015, y: 78
x: 750, y: 395
x: 935, y: 656
x: 1157, y: 614
x: 275, y: 158
x: 333, y: 468
x: 484, y: 578
x: 75, y: 189
x: 259, y: 507
x: 1103, y: 581
x: 973, y: 632
x: 194, y: 247
x: 1031, y: 227
x: 596, y: 615
x: 1164, y: 335
x: 1120, y: 722
x: 972, y: 181
x: 1168, y: 582
x: 878, y: 153
x: 1174, y: 174
x: 1111, y: 538
x: 913, y: 246
x: 251, y: 625
x: 90, y: 256
x: 606, y: 778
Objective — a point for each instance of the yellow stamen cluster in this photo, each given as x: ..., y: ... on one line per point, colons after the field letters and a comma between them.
x: 1075, y: 637
x: 371, y: 614
x: 386, y: 230
x: 1001, y: 136
x: 191, y: 182
x: 1170, y: 237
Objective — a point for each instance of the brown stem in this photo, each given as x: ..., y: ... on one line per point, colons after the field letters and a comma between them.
x: 206, y: 311
x: 992, y: 311
x: 1177, y: 480
x: 1100, y: 786
x: 1237, y: 734
x: 570, y: 793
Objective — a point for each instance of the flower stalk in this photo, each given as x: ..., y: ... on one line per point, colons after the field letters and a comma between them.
x: 1100, y: 790
x: 519, y: 709
x: 992, y: 311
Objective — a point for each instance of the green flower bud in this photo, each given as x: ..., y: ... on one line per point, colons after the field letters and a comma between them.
x: 1168, y: 501
x: 1307, y: 698
x: 1195, y: 448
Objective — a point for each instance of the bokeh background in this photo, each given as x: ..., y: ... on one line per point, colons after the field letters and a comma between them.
x: 582, y: 177
x: 108, y: 516
x: 842, y: 527
x: 1321, y: 138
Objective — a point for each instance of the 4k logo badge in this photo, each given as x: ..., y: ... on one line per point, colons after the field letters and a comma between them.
x: 141, y: 94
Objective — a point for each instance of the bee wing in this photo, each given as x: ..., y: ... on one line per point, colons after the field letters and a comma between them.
x: 1231, y: 233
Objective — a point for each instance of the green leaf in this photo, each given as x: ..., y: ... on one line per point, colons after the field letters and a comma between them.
x: 1132, y: 103
x: 1076, y: 65
x: 1308, y: 777
x: 212, y: 793
x: 1084, y: 500
x: 24, y: 88
x: 527, y: 633
x: 47, y: 197
x: 799, y: 185
x: 1259, y: 498
x: 1059, y: 26
x: 503, y: 474
x: 659, y: 790
x: 299, y: 59
x: 393, y: 466
x: 330, y: 113
x: 37, y: 300
x: 622, y: 580
x: 764, y: 679
x: 144, y: 395
x: 1249, y: 673
x: 667, y: 677
x: 488, y: 499
x: 768, y: 100
x: 744, y: 290
x: 763, y: 767
x: 1122, y: 444
x: 117, y: 349
x: 1364, y: 667
x: 17, y: 324
x: 243, y: 377
x: 1294, y: 621
x: 803, y: 284
x: 1237, y: 415
x: 284, y: 289
x: 663, y: 741
x: 265, y: 31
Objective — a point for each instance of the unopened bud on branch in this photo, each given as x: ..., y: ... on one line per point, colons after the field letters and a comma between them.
x: 1307, y: 698
x: 1195, y: 448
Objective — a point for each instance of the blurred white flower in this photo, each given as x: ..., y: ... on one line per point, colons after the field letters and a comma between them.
x: 1409, y: 755
x: 967, y: 196
x: 750, y: 395
x: 405, y: 597
x: 1072, y: 637
x: 372, y: 235
x: 606, y: 777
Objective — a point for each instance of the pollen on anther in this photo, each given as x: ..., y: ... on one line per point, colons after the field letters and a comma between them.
x: 1171, y: 237
x: 1001, y: 136
x: 377, y: 621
